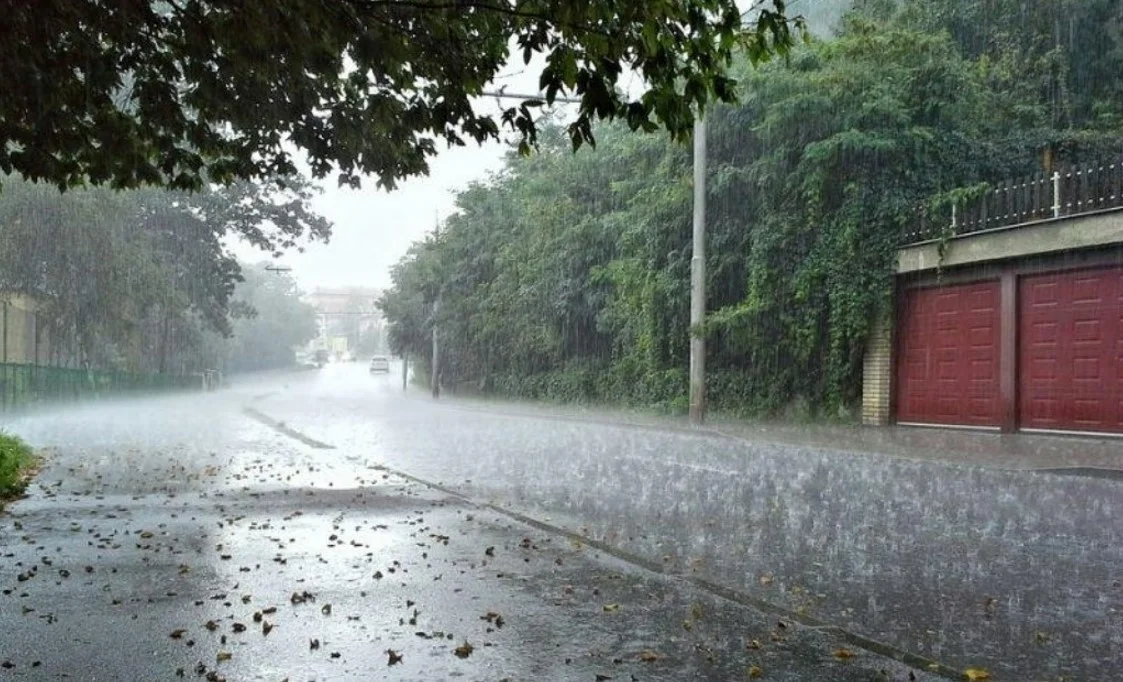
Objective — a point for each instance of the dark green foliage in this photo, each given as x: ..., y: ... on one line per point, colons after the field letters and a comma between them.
x: 15, y: 457
x: 567, y: 276
x: 181, y: 92
x: 142, y: 280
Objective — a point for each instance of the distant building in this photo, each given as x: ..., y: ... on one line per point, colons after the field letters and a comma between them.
x: 350, y: 313
x: 22, y: 341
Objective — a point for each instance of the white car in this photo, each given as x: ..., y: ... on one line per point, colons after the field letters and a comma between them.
x: 379, y: 363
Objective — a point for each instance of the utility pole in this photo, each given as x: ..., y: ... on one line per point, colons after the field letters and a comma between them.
x: 435, y: 380
x: 405, y: 371
x: 697, y: 262
x: 698, y: 279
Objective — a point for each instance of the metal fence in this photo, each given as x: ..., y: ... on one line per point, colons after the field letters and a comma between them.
x: 26, y: 385
x: 1071, y: 191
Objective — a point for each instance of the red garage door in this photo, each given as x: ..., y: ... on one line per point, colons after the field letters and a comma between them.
x: 1070, y: 351
x: 947, y: 372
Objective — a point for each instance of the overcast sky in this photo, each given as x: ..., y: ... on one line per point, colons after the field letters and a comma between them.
x: 374, y: 228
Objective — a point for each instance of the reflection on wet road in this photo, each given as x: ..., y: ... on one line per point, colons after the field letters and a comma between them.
x: 1017, y: 571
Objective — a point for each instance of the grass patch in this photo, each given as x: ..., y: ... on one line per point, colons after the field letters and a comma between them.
x: 16, y: 461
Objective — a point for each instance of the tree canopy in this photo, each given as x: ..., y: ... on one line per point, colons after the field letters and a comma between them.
x: 273, y: 320
x: 567, y: 276
x: 143, y: 280
x: 181, y: 92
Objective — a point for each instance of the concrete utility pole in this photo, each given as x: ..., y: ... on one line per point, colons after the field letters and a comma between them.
x: 435, y: 380
x: 698, y: 279
x: 697, y: 262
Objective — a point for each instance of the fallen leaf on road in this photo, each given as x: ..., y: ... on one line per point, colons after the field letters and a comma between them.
x: 609, y: 608
x: 266, y: 627
x: 178, y: 633
x: 649, y: 656
x: 301, y: 597
x: 464, y: 650
x: 976, y: 674
x: 395, y: 657
x: 756, y: 672
x: 223, y: 656
x: 843, y: 654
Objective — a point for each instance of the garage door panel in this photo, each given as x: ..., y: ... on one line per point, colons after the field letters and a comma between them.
x: 1070, y: 365
x: 1088, y: 331
x: 949, y: 350
x: 1043, y: 295
x: 1088, y: 290
x: 982, y: 371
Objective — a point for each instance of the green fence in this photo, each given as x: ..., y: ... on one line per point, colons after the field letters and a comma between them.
x: 24, y: 385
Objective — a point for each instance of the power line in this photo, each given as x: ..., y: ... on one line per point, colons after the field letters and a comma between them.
x: 512, y: 95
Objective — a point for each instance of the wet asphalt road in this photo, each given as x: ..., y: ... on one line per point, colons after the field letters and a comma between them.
x: 177, y: 537
x: 1016, y: 572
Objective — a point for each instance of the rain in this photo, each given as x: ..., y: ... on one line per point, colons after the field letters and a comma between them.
x: 652, y: 341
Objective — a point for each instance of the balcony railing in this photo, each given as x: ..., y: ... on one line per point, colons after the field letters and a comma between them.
x: 1066, y: 192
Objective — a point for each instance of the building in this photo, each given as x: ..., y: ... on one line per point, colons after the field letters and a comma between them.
x: 351, y: 314
x: 22, y: 341
x: 1016, y: 322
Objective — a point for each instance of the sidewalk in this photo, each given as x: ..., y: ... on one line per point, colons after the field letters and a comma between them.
x: 1089, y: 455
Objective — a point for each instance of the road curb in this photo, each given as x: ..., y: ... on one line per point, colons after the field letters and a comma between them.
x: 1076, y: 471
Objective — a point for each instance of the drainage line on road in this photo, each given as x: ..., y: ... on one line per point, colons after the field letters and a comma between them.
x: 854, y: 639
x: 283, y: 428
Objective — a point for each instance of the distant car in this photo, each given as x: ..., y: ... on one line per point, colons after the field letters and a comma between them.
x: 379, y: 364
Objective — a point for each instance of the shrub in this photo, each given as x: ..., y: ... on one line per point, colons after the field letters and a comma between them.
x: 15, y: 458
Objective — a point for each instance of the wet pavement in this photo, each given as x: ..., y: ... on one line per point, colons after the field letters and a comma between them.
x: 1003, y: 567
x: 179, y: 537
x: 1088, y: 455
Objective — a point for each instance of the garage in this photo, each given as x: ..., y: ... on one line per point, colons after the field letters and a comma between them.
x: 1070, y: 350
x: 948, y: 362
x: 1015, y: 321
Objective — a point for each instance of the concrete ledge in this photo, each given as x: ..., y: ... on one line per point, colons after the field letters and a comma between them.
x: 1061, y: 234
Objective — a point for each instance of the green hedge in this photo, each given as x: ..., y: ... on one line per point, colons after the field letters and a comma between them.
x: 22, y: 385
x: 15, y: 456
